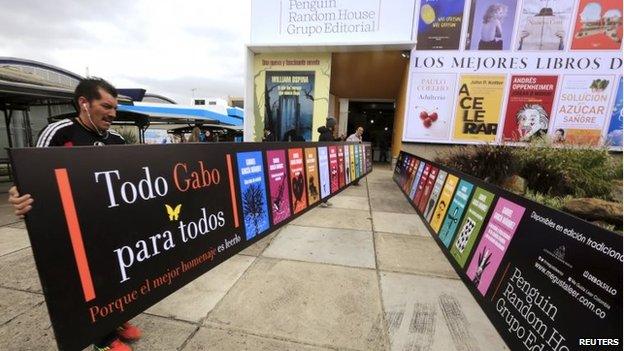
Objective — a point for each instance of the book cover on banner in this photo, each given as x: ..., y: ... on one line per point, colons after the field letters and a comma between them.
x: 341, y: 169
x: 352, y: 160
x: 478, y: 107
x: 417, y: 171
x: 362, y: 160
x: 410, y: 173
x: 288, y: 104
x: 435, y: 194
x: 405, y: 172
x: 356, y: 150
x: 278, y: 185
x: 253, y: 193
x: 494, y: 243
x: 491, y: 24
x: 544, y: 25
x: 421, y: 184
x: 471, y: 225
x: 347, y: 166
x: 323, y: 160
x: 598, y: 25
x: 424, y: 198
x: 439, y: 24
x: 455, y: 212
x: 312, y: 178
x: 368, y: 152
x: 443, y: 204
x: 583, y: 109
x: 430, y: 107
x: 297, y: 180
x: 333, y: 169
x: 614, y: 133
x: 529, y: 107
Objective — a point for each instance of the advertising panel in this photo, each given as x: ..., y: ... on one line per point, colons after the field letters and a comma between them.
x: 340, y: 22
x: 471, y: 225
x: 312, y: 178
x: 529, y: 107
x: 536, y: 272
x: 297, y: 180
x: 324, y: 171
x: 440, y: 24
x: 582, y: 111
x: 278, y: 185
x: 184, y: 209
x: 478, y: 107
x: 455, y: 212
x: 443, y: 204
x: 491, y: 24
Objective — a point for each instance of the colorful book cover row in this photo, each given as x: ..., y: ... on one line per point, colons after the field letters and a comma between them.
x: 533, y: 25
x: 473, y: 224
x: 587, y: 111
x: 296, y: 178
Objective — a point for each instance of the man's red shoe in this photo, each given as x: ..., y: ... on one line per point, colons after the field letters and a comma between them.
x: 116, y: 345
x: 129, y: 332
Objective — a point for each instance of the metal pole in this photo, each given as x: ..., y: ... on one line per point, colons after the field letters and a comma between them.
x: 28, y: 127
x: 7, y: 121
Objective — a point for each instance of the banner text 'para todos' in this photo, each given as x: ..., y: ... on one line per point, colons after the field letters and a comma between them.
x: 119, y: 228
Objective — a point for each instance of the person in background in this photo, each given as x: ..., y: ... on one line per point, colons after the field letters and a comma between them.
x: 195, y: 136
x: 204, y: 136
x: 326, y: 133
x: 356, y: 138
x: 96, y: 99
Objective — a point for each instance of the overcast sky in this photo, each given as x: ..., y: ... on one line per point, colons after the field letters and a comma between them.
x: 166, y: 47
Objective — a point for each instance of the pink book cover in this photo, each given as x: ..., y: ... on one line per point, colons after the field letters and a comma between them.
x: 494, y: 243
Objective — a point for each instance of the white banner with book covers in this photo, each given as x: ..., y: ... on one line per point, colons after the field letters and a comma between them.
x: 507, y: 71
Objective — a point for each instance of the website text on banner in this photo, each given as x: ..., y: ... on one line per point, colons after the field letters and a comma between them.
x: 535, y: 271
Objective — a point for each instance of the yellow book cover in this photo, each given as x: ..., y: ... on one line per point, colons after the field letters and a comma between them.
x: 477, y: 113
x: 444, y: 202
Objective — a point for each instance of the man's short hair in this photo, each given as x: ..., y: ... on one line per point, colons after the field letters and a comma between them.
x: 90, y: 89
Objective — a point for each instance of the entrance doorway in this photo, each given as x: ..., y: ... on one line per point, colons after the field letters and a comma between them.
x: 364, y: 88
x: 377, y: 119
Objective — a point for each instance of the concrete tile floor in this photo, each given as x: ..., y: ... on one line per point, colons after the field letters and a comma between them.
x: 363, y: 274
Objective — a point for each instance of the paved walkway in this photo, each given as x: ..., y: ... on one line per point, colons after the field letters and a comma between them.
x: 361, y: 275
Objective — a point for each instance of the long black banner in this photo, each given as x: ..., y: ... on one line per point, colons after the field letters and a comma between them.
x: 114, y: 230
x: 545, y: 279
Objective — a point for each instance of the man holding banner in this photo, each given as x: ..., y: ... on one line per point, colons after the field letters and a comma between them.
x: 96, y: 99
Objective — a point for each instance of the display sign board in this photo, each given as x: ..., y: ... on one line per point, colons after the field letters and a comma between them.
x: 509, y: 71
x: 545, y: 279
x: 335, y: 22
x: 118, y: 229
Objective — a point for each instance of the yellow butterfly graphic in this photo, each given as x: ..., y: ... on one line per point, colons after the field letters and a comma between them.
x: 173, y: 213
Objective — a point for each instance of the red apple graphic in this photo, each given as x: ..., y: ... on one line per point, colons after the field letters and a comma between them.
x: 434, y: 116
x: 427, y: 123
x: 423, y: 115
